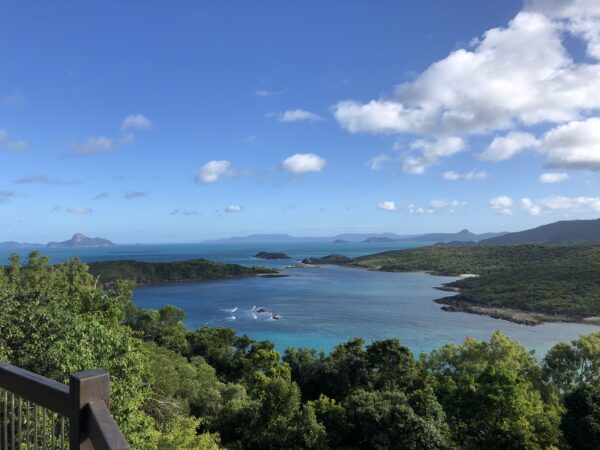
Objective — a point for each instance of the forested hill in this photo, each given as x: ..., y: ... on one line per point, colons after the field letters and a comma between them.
x: 164, y: 272
x: 563, y: 232
x: 561, y: 282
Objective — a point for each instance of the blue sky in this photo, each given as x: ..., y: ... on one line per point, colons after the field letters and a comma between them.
x: 180, y: 121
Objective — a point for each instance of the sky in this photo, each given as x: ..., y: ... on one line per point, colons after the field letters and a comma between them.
x: 151, y: 121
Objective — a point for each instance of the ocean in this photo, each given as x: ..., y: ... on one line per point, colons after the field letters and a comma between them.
x: 317, y: 307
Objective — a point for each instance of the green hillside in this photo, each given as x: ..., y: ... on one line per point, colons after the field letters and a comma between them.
x: 557, y: 280
x: 164, y: 272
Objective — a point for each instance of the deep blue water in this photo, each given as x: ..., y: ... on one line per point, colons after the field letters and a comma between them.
x: 318, y: 307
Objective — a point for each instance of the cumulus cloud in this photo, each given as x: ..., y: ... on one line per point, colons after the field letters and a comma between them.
x: 80, y: 211
x: 520, y: 74
x: 505, y: 147
x: 530, y: 207
x: 507, y: 81
x: 553, y: 177
x: 430, y: 152
x: 300, y: 163
x: 213, y: 171
x: 474, y: 175
x: 435, y: 206
x: 377, y: 162
x: 101, y: 196
x: 136, y: 122
x: 102, y: 144
x: 558, y: 203
x: 502, y: 204
x: 574, y: 145
x: 233, y: 209
x: 387, y: 206
x: 296, y: 115
x: 134, y: 194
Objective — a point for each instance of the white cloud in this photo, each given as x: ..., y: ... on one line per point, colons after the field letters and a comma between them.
x: 377, y: 162
x: 521, y: 74
x: 505, y: 147
x: 509, y: 80
x: 80, y: 211
x: 186, y: 212
x: 267, y: 93
x: 101, y: 144
x: 502, y: 204
x: 387, y: 206
x: 304, y: 162
x: 553, y: 177
x: 233, y: 209
x: 530, y: 207
x: 296, y: 115
x: 134, y: 194
x: 474, y: 175
x: 430, y: 153
x: 556, y: 203
x: 136, y: 122
x: 3, y: 135
x: 213, y: 171
x: 574, y: 145
x: 435, y: 206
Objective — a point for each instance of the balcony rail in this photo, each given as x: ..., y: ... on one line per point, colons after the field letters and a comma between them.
x: 40, y: 413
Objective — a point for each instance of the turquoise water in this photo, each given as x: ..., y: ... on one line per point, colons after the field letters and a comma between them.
x: 318, y: 307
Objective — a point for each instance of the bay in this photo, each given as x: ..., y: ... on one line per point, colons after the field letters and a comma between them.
x: 316, y: 307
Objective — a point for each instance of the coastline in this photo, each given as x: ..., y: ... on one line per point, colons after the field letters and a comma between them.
x: 457, y: 303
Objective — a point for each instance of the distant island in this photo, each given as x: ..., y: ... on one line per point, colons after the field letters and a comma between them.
x: 330, y: 259
x: 271, y: 255
x: 462, y: 236
x: 167, y: 272
x: 340, y: 241
x: 14, y: 244
x: 380, y: 239
x: 81, y: 240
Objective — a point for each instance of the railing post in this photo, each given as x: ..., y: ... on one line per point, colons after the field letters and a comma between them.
x: 85, y: 387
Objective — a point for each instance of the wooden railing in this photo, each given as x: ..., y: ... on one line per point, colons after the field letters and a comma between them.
x: 39, y: 413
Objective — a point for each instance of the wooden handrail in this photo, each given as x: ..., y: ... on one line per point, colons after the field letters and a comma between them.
x: 85, y: 402
x: 102, y: 428
x: 43, y: 391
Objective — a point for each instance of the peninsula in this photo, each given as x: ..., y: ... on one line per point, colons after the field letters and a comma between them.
x: 527, y: 283
x: 168, y: 272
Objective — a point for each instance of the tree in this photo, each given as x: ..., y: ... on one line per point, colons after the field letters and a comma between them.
x: 581, y: 422
x: 56, y: 320
x: 568, y: 365
x: 494, y: 395
x: 392, y: 419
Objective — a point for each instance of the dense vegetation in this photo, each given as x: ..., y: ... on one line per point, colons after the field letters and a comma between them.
x: 561, y: 280
x: 174, y: 388
x: 164, y: 272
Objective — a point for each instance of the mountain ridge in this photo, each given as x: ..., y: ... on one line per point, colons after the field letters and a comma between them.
x: 561, y: 232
